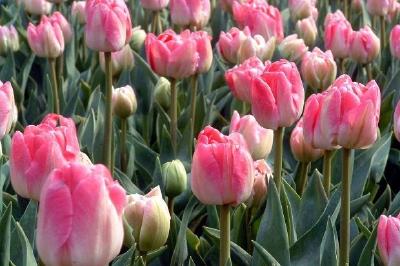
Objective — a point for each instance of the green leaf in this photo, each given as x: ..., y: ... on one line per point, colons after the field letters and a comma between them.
x: 26, y: 251
x: 124, y: 259
x: 126, y: 183
x: 329, y: 246
x: 367, y: 255
x: 267, y: 258
x: 5, y: 236
x: 28, y: 221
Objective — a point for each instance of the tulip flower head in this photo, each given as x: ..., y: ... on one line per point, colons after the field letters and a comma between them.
x: 395, y: 41
x: 378, y: 7
x: 300, y: 9
x: 8, y: 109
x: 337, y: 34
x: 195, y: 13
x: 9, y: 40
x: 154, y: 5
x: 124, y: 102
x: 78, y: 11
x: 293, y: 48
x: 58, y: 18
x: 364, y: 45
x: 37, y: 7
x: 389, y: 240
x: 262, y: 175
x: 307, y: 30
x: 396, y: 120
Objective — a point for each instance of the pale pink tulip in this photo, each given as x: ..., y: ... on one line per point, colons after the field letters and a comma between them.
x: 37, y: 7
x: 293, y: 48
x: 204, y: 50
x: 8, y: 109
x: 195, y: 13
x: 395, y: 41
x: 364, y: 45
x: 396, y: 119
x: 262, y: 175
x: 154, y: 5
x: 300, y: 9
x: 9, y: 39
x: 230, y: 42
x: 307, y: 30
x: 59, y: 19
x: 256, y: 46
x: 78, y: 11
x: 378, y: 7
x: 389, y: 240
x: 337, y: 34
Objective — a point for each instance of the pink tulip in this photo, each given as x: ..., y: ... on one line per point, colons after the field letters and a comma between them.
x: 239, y: 77
x: 256, y: 46
x: 378, y: 7
x: 230, y: 42
x: 80, y: 216
x: 396, y: 119
x: 303, y: 151
x: 120, y: 60
x: 46, y: 39
x: 393, y: 11
x: 108, y: 25
x: 78, y: 11
x: 337, y: 34
x: 8, y: 109
x: 222, y: 168
x: 262, y: 174
x: 300, y: 9
x: 364, y: 45
x: 307, y: 30
x: 172, y: 55
x: 154, y: 5
x: 259, y: 140
x: 277, y: 96
x: 39, y: 150
x: 9, y: 40
x: 318, y: 69
x: 194, y: 13
x: 395, y: 41
x: 59, y: 19
x: 346, y: 114
x: 204, y: 50
x: 293, y: 48
x: 261, y: 18
x: 389, y: 240
x: 37, y: 7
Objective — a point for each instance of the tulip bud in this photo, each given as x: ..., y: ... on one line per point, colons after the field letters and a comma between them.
x: 9, y: 40
x: 395, y: 41
x: 378, y: 7
x: 256, y: 46
x: 292, y: 48
x: 175, y: 178
x: 364, y: 45
x: 262, y: 174
x: 190, y: 13
x: 337, y: 34
x: 138, y: 38
x: 307, y: 30
x: 120, y: 60
x: 162, y: 92
x: 149, y: 218
x: 8, y: 109
x: 78, y: 11
x: 300, y: 9
x: 396, y: 119
x: 124, y: 101
x: 154, y: 5
x: 13, y: 39
x: 389, y: 240
x: 303, y: 151
x: 37, y: 7
x: 229, y: 43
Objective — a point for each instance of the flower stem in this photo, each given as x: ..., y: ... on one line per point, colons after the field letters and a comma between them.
x: 225, y: 241
x: 345, y: 210
x: 346, y: 8
x: 154, y: 23
x: 327, y: 171
x: 304, y: 166
x: 383, y: 32
x: 369, y: 71
x: 174, y: 114
x: 108, y: 119
x: 278, y: 142
x: 54, y: 86
x: 171, y: 205
x: 124, y: 123
x: 193, y: 110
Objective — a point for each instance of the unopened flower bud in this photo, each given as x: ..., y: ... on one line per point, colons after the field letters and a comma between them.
x: 124, y: 101
x: 307, y: 30
x: 138, y: 38
x: 175, y: 178
x: 162, y: 92
x: 293, y: 48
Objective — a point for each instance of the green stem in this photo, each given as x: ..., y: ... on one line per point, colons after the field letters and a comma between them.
x: 345, y: 210
x: 143, y: 254
x: 54, y: 86
x: 124, y: 123
x: 225, y: 241
x: 383, y: 32
x: 278, y: 142
x: 108, y: 116
x: 327, y: 171
x: 171, y: 205
x: 154, y: 23
x: 174, y: 114
x: 369, y: 71
x: 342, y: 66
x: 193, y: 110
x: 304, y: 166
x: 159, y: 23
x: 346, y: 8
x: 60, y: 69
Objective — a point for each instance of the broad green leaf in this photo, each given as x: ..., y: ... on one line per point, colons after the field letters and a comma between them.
x: 5, y: 236
x: 26, y: 251
x: 329, y: 246
x: 124, y: 259
x: 367, y: 255
x: 265, y: 256
x: 28, y: 221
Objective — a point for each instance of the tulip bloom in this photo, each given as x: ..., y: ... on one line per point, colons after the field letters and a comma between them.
x: 277, y: 96
x: 39, y: 150
x: 222, y: 168
x: 262, y: 175
x: 120, y: 60
x: 307, y: 30
x: 37, y: 7
x: 124, y: 102
x: 346, y: 114
x: 378, y: 7
x: 172, y: 55
x: 396, y: 119
x: 204, y: 50
x: 239, y: 77
x: 58, y: 18
x: 300, y: 9
x: 154, y: 5
x: 8, y: 109
x: 108, y: 25
x: 80, y: 216
x: 78, y: 11
x: 395, y: 41
x: 9, y: 40
x: 364, y: 45
x: 190, y: 12
x: 46, y: 39
x: 318, y: 69
x: 337, y: 34
x: 293, y: 48
x: 256, y: 46
x: 259, y: 140
x: 389, y: 240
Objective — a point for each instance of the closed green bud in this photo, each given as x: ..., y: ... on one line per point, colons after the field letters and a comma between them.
x: 175, y: 178
x: 138, y: 38
x: 124, y: 101
x: 162, y: 92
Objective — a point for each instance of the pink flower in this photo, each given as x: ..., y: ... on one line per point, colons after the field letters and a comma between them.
x: 108, y: 25
x: 300, y: 9
x: 39, y: 150
x: 80, y: 216
x: 78, y: 11
x: 37, y: 7
x: 222, y: 168
x: 120, y: 60
x: 259, y: 140
x: 262, y: 174
x: 256, y: 46
x: 396, y: 119
x: 318, y: 69
x: 337, y: 34
x: 190, y: 12
x: 303, y: 151
x: 293, y: 48
x: 9, y: 40
x: 378, y: 7
x: 8, y: 109
x: 239, y: 77
x: 277, y: 96
x: 395, y: 41
x: 364, y: 45
x: 307, y: 30
x: 261, y: 18
x: 154, y: 5
x: 393, y: 11
x: 346, y: 114
x: 389, y: 240
x: 59, y: 19
x: 230, y: 42
x: 46, y: 39
x: 172, y: 55
x: 204, y: 50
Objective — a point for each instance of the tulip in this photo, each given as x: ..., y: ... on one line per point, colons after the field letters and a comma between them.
x: 37, y: 7
x: 389, y: 240
x: 204, y: 50
x: 262, y: 175
x: 337, y: 34
x: 154, y: 5
x: 175, y: 178
x: 8, y: 109
x: 293, y: 48
x: 364, y: 46
x: 39, y: 150
x: 239, y: 77
x: 149, y: 218
x: 138, y: 38
x: 80, y: 217
x: 258, y: 139
x: 300, y: 9
x: 256, y: 46
x: 124, y: 102
x: 378, y: 7
x: 78, y: 11
x: 108, y: 25
x: 395, y: 41
x: 307, y: 30
x: 229, y: 43
x: 9, y: 40
x: 162, y: 92
x: 318, y: 69
x: 58, y: 18
x: 397, y: 121
x: 261, y: 18
x: 46, y: 39
x: 393, y: 11
x: 190, y: 13
x: 120, y: 60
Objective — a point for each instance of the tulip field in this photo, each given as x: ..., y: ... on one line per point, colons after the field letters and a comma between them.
x: 200, y: 132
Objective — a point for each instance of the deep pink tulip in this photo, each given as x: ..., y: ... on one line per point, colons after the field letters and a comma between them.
x: 65, y: 27
x: 108, y: 25
x: 80, y: 217
x: 378, y: 7
x: 204, y: 50
x: 37, y: 7
x: 154, y: 5
x: 261, y: 18
x: 277, y: 95
x: 389, y: 240
x: 300, y: 9
x: 395, y: 41
x: 222, y: 168
x: 346, y: 114
x: 396, y: 119
x: 46, y: 39
x: 337, y: 34
x: 259, y: 140
x: 172, y: 55
x: 190, y: 12
x: 364, y: 45
x: 240, y: 77
x: 39, y: 150
x: 78, y: 11
x: 8, y: 109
